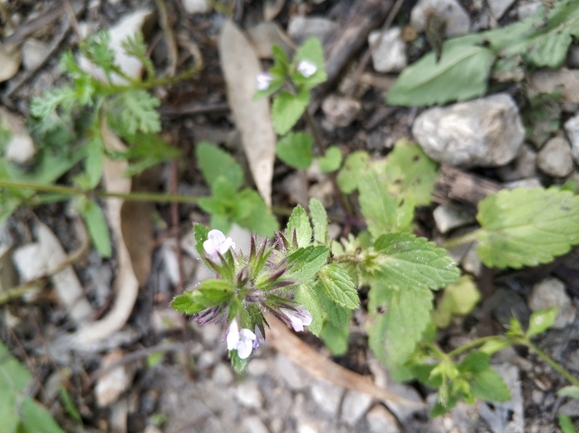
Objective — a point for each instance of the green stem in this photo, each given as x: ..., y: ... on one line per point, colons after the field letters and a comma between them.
x: 132, y: 196
x: 461, y: 240
x: 549, y: 361
x: 471, y: 345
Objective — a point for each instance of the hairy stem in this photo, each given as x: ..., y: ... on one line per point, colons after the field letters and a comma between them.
x: 132, y: 196
x: 549, y: 361
x: 468, y: 346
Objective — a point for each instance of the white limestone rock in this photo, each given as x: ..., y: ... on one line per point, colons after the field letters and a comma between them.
x: 555, y: 159
x: 551, y: 293
x: 456, y: 18
x: 389, y: 55
x: 485, y: 132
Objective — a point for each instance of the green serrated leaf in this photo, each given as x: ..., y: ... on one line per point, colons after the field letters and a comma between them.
x: 97, y: 227
x: 336, y: 339
x: 541, y: 320
x: 214, y: 162
x: 399, y: 317
x: 51, y: 100
x: 523, y: 227
x: 295, y: 149
x: 37, y: 419
x: 488, y: 385
x: 319, y: 221
x: 461, y: 74
x: 304, y: 264
x: 383, y: 212
x: 409, y: 171
x: 287, y: 110
x: 338, y: 286
x: 331, y: 161
x: 306, y: 295
x: 300, y: 223
x: 407, y: 261
x: 334, y: 313
x: 356, y: 163
x: 135, y: 111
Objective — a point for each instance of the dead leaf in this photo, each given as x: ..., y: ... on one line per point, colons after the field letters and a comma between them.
x: 126, y: 27
x: 42, y: 258
x: 134, y: 263
x: 265, y: 35
x: 253, y: 118
x: 286, y: 343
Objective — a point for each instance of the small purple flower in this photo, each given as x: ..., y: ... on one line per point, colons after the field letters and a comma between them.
x: 216, y: 244
x: 263, y: 81
x: 298, y: 318
x: 243, y: 341
x: 307, y: 68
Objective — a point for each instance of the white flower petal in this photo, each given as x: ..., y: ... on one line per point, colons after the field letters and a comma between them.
x: 232, y: 336
x: 244, y: 349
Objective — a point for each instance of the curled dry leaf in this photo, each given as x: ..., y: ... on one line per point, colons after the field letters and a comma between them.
x: 131, y: 231
x: 41, y: 258
x: 253, y: 118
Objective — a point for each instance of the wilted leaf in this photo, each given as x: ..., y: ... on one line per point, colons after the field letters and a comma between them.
x: 253, y: 119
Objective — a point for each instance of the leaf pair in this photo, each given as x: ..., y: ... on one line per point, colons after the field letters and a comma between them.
x: 227, y: 204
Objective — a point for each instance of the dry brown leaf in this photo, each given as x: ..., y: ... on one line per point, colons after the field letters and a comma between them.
x: 253, y: 118
x: 133, y: 246
x: 285, y: 342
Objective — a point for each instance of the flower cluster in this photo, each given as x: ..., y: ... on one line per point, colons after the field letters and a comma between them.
x: 307, y: 68
x: 245, y: 289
